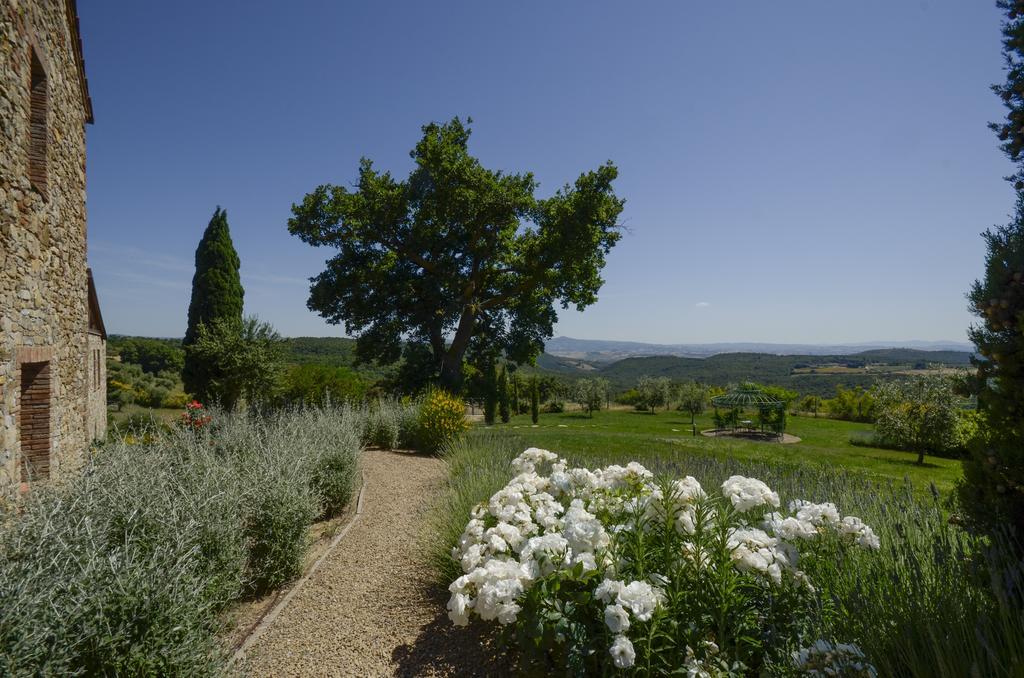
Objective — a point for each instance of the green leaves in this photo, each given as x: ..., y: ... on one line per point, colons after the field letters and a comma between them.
x: 456, y: 254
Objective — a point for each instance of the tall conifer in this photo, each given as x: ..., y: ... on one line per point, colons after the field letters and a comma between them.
x: 216, y: 295
x: 992, y: 493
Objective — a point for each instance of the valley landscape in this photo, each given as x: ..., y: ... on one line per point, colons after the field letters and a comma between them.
x: 317, y: 384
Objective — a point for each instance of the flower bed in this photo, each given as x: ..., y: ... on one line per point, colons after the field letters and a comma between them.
x: 590, y: 571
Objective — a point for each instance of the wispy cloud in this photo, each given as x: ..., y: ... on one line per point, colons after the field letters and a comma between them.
x: 150, y: 280
x: 703, y: 304
x: 140, y: 257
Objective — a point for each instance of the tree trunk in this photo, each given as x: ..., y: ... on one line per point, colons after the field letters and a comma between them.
x: 920, y: 458
x: 451, y: 361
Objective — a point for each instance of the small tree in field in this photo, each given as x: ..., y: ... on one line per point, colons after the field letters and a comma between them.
x: 504, y: 396
x: 918, y: 414
x: 693, y: 398
x: 653, y: 392
x: 811, y: 403
x: 591, y: 394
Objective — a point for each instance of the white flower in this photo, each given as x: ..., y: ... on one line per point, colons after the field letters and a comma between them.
x: 753, y: 550
x: 548, y: 552
x: 819, y: 515
x: 527, y: 461
x: 640, y: 598
x: 748, y: 493
x: 622, y: 652
x: 608, y: 590
x: 616, y: 618
x: 498, y: 584
x: 854, y: 529
x: 789, y: 528
x: 582, y: 529
x: 687, y: 490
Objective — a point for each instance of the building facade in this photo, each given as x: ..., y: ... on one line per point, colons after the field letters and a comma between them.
x: 52, y: 339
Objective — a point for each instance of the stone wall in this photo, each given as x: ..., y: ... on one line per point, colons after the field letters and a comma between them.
x: 43, y: 305
x: 96, y: 401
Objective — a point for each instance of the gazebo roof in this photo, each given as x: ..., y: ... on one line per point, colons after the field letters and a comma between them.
x: 747, y: 396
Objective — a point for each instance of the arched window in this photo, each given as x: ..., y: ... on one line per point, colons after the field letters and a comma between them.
x: 39, y: 105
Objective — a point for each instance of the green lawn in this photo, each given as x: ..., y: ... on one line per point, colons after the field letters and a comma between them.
x: 823, y: 442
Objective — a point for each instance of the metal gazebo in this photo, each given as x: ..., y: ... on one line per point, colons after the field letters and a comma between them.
x: 771, y: 411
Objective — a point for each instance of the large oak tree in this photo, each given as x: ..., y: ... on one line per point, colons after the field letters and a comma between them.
x: 456, y: 256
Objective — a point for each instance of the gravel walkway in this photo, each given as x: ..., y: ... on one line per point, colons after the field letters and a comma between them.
x: 371, y: 609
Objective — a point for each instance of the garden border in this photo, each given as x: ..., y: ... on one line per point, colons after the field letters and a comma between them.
x: 268, y: 617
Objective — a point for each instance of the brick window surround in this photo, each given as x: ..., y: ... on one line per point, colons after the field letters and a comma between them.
x: 39, y: 106
x: 34, y: 420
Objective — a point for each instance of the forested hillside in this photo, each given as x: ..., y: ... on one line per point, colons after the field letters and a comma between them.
x: 806, y: 374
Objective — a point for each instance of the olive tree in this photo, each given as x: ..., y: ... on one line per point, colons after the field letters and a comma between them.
x: 919, y: 414
x: 693, y: 398
x: 591, y: 394
x: 653, y: 392
x: 456, y: 256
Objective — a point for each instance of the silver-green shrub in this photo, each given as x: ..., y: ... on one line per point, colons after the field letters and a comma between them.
x: 127, y: 568
x: 392, y: 424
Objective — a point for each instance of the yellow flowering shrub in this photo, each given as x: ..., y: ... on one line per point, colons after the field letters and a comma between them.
x: 442, y: 420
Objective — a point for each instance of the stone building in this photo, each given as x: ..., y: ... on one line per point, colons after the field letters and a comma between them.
x: 52, y: 340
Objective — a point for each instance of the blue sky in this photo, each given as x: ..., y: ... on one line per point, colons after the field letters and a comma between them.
x: 797, y: 171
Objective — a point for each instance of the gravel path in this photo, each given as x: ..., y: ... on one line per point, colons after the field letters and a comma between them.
x: 371, y: 609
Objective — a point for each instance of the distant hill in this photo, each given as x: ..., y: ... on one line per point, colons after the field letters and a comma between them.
x: 807, y: 374
x: 598, y: 350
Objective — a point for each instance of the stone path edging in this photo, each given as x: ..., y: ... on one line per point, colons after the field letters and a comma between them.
x: 268, y: 618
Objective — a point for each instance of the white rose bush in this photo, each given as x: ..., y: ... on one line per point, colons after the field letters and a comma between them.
x: 599, y: 571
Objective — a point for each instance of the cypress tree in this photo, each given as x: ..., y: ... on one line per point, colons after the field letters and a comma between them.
x: 534, y: 400
x: 490, y: 393
x: 992, y: 493
x: 216, y: 295
x: 503, y: 397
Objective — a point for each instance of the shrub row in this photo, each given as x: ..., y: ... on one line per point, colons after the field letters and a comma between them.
x: 429, y: 424
x: 127, y: 568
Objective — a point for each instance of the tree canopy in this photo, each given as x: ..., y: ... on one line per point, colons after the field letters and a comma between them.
x: 918, y: 414
x: 456, y: 256
x: 993, y: 492
x: 216, y: 296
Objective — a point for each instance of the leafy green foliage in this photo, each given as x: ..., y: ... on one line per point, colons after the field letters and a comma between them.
x: 918, y: 414
x: 128, y: 383
x: 652, y: 393
x: 693, y: 398
x: 993, y: 492
x: 456, y: 249
x: 318, y: 384
x: 216, y: 296
x: 854, y: 404
x: 243, y: 363
x: 591, y: 394
x: 152, y: 355
x: 442, y: 420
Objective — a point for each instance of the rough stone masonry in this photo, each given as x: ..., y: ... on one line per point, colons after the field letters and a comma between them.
x: 52, y: 340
